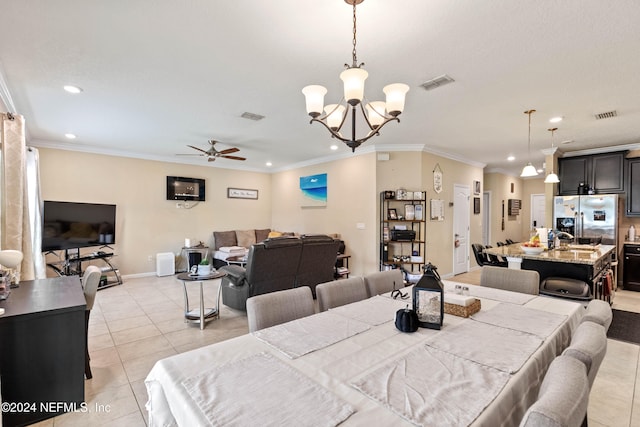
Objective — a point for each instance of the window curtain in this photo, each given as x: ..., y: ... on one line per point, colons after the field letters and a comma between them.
x: 17, y: 202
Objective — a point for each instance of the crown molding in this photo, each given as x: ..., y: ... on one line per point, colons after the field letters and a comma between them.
x: 603, y: 150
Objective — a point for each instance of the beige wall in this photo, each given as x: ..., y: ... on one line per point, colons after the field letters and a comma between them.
x: 146, y: 222
x: 351, y: 200
x: 518, y: 227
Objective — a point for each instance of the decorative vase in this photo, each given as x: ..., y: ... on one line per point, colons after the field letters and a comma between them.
x: 204, y: 270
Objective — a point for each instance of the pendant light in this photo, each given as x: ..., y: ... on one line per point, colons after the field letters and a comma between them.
x: 552, y: 178
x: 529, y: 170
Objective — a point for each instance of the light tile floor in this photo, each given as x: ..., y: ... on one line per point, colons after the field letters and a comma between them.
x: 140, y: 322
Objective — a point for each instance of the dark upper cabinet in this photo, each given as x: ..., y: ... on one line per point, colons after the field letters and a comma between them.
x: 604, y: 173
x: 633, y: 187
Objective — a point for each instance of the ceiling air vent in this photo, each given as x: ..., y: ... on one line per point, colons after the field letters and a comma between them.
x: 607, y: 115
x: 252, y: 116
x: 437, y: 82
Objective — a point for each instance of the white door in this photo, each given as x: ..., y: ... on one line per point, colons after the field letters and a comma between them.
x: 461, y: 218
x: 538, y: 205
x: 486, y: 217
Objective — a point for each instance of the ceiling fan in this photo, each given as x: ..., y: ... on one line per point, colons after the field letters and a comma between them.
x: 212, y: 153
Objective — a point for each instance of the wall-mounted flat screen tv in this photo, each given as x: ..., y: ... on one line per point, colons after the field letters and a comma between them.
x: 70, y: 225
x: 181, y: 188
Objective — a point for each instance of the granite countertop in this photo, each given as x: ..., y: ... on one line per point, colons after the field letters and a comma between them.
x: 574, y: 254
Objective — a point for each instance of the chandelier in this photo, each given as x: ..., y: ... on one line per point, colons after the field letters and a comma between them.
x: 529, y: 170
x: 376, y: 114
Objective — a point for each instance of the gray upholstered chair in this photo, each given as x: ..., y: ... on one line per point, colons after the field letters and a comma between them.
x: 317, y: 261
x: 563, y: 397
x: 272, y: 266
x: 588, y: 345
x: 598, y: 311
x: 340, y: 292
x: 278, y: 307
x: 383, y: 281
x: 90, y: 282
x: 509, y: 279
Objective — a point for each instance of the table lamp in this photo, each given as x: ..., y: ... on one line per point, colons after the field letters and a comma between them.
x: 11, y: 259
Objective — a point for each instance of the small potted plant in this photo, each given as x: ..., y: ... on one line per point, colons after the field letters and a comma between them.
x: 204, y: 269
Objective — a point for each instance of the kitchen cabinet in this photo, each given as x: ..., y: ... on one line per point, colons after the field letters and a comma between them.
x: 633, y: 187
x: 604, y: 173
x: 631, y: 274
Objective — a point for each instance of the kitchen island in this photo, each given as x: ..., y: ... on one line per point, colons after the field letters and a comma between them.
x: 581, y: 262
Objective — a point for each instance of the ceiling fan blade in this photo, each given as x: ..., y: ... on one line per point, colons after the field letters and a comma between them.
x: 234, y: 157
x: 199, y: 149
x: 229, y: 150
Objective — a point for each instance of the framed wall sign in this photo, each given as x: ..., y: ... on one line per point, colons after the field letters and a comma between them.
x: 476, y: 187
x: 437, y: 179
x: 242, y: 193
x: 476, y: 205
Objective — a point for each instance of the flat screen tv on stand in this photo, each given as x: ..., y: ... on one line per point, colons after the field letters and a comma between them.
x: 70, y: 225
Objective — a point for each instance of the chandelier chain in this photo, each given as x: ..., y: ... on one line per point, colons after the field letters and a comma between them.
x: 355, y: 59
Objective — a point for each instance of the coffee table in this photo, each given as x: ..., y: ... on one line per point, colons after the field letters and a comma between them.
x: 202, y: 314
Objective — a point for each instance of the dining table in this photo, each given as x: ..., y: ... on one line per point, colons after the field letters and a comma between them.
x: 351, y: 366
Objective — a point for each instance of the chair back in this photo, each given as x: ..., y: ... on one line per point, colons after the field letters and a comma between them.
x: 317, y: 260
x: 563, y: 397
x: 598, y: 311
x: 588, y: 345
x: 272, y: 265
x: 509, y: 279
x: 340, y: 292
x: 90, y: 282
x: 478, y: 254
x: 278, y: 307
x: 383, y: 281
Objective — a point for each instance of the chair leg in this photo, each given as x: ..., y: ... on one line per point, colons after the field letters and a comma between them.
x: 87, y: 368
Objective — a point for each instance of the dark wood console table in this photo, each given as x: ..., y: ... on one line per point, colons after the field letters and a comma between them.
x: 42, y: 334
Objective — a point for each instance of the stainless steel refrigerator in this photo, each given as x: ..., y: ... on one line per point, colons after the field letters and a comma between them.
x: 590, y: 218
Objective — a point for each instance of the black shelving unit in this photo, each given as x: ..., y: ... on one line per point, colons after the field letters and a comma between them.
x: 400, y: 251
x: 71, y: 265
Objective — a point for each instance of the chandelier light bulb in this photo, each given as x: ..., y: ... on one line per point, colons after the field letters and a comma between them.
x: 375, y: 113
x: 353, y: 80
x: 335, y: 113
x: 395, y: 98
x: 314, y: 96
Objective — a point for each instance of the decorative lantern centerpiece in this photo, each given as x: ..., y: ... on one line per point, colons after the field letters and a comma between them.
x: 428, y: 299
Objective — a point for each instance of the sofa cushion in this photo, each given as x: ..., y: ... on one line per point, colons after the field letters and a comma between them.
x: 262, y: 234
x: 224, y: 238
x: 246, y: 238
x: 274, y: 234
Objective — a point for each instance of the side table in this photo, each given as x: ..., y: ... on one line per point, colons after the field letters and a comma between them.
x: 202, y: 314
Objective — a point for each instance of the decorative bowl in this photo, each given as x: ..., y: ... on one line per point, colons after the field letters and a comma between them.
x: 532, y: 250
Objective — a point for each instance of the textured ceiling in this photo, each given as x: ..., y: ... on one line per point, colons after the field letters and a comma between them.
x: 160, y: 75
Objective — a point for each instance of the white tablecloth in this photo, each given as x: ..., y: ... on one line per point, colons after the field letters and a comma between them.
x: 337, y: 366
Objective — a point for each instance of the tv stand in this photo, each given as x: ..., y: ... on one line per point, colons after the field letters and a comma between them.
x: 71, y: 265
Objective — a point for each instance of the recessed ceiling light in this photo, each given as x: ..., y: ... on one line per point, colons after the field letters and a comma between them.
x: 269, y: 164
x: 334, y: 147
x: 568, y: 141
x: 69, y: 136
x: 555, y: 119
x: 72, y: 89
x: 511, y: 158
x: 540, y: 170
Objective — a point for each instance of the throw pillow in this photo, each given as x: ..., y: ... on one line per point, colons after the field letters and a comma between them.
x: 246, y: 238
x: 274, y: 234
x: 262, y: 234
x: 224, y: 238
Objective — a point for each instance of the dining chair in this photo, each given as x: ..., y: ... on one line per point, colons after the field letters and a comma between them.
x: 563, y: 397
x: 509, y: 279
x: 382, y: 282
x: 340, y: 292
x: 90, y: 281
x: 278, y: 307
x: 598, y: 311
x: 588, y: 345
